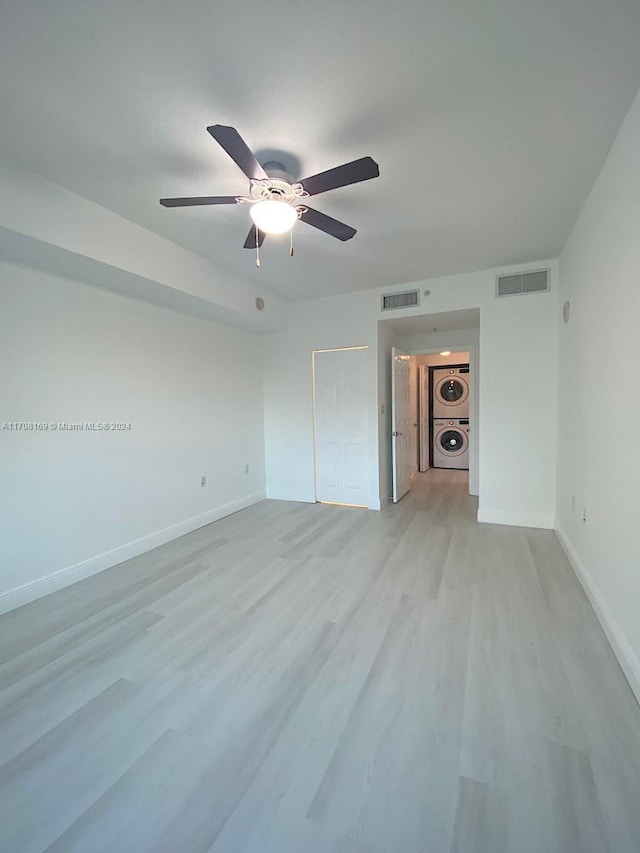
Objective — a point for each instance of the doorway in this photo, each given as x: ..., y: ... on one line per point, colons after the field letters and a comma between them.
x: 420, y: 346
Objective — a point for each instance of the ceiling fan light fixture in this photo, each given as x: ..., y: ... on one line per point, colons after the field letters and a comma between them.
x: 273, y: 217
x: 275, y: 200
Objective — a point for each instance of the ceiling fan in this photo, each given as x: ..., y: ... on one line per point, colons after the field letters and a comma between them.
x: 277, y: 201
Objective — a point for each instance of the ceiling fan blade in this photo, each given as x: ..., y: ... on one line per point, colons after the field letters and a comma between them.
x: 238, y: 150
x: 204, y: 199
x: 250, y: 242
x: 327, y: 223
x: 350, y: 173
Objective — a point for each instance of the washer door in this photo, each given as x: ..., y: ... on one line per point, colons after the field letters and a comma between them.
x: 452, y: 390
x: 452, y: 441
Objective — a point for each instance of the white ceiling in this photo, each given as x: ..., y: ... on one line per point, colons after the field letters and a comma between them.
x: 489, y: 120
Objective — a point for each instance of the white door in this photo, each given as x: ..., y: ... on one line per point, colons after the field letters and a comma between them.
x: 400, y: 423
x: 341, y: 425
x: 413, y: 414
x: 425, y: 414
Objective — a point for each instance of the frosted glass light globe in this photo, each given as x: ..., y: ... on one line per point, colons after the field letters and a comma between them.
x: 273, y: 217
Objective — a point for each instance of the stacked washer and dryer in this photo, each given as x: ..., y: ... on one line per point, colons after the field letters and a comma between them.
x: 450, y: 416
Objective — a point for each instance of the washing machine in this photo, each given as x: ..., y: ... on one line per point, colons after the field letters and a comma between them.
x: 451, y: 443
x: 450, y: 392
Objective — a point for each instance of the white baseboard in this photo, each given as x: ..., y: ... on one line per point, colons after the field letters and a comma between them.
x: 627, y: 658
x: 308, y: 498
x: 515, y: 519
x: 65, y: 577
x: 304, y: 497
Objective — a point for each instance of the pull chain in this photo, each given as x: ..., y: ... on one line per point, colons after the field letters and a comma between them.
x: 291, y: 245
x: 257, y: 248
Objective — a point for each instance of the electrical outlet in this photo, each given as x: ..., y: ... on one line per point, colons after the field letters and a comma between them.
x: 203, y: 481
x: 573, y: 503
x: 246, y: 469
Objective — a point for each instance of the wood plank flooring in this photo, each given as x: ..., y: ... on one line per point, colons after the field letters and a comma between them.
x: 308, y: 678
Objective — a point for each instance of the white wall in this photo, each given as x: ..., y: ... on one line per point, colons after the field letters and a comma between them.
x: 44, y: 223
x: 518, y: 400
x: 437, y: 360
x: 518, y: 407
x: 451, y: 339
x: 599, y: 396
x: 72, y: 503
x: 288, y: 394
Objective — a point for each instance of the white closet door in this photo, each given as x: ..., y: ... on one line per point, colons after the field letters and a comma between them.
x: 342, y: 425
x: 425, y: 414
x: 413, y: 417
x: 400, y: 423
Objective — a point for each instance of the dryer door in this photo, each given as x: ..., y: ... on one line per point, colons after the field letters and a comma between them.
x: 451, y: 390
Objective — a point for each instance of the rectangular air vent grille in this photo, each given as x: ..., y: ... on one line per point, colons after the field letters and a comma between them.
x: 399, y: 300
x: 536, y: 281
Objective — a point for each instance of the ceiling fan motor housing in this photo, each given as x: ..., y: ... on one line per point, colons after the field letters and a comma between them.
x: 279, y: 186
x: 277, y: 171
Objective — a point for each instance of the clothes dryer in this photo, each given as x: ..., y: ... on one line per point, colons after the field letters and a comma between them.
x: 451, y: 392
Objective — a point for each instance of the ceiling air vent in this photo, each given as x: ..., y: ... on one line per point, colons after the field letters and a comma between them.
x: 407, y: 299
x: 536, y: 281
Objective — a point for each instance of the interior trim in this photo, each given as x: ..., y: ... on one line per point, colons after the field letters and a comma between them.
x: 515, y: 519
x: 40, y: 587
x: 625, y: 655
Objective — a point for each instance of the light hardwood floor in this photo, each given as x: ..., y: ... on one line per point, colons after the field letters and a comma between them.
x: 308, y: 678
